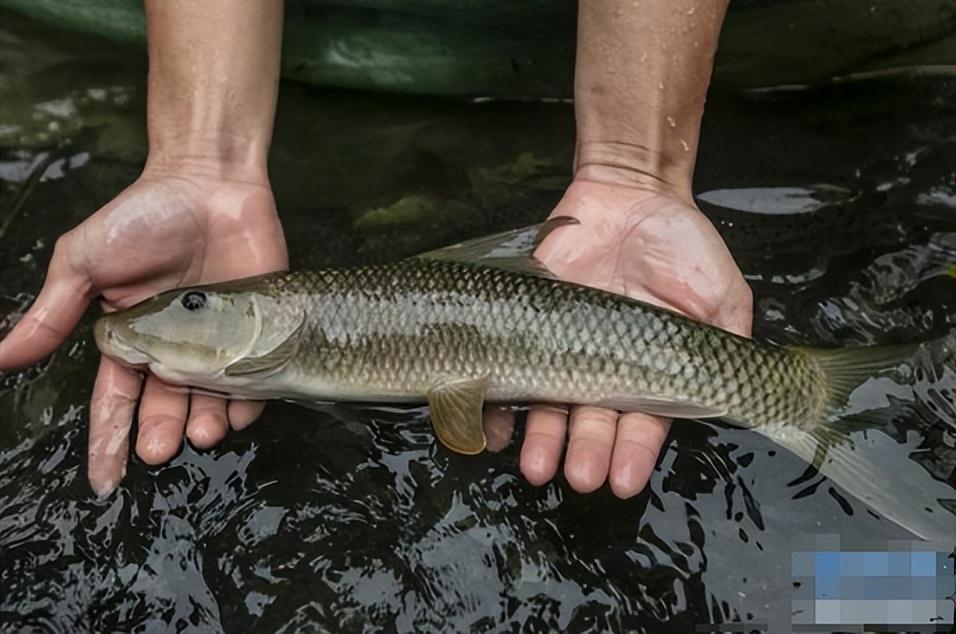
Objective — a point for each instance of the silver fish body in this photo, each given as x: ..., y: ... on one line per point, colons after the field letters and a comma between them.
x: 458, y: 331
x: 390, y: 333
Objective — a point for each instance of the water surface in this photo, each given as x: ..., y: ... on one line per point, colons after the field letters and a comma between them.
x: 839, y: 204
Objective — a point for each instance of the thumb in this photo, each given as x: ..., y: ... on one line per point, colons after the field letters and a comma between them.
x: 56, y: 311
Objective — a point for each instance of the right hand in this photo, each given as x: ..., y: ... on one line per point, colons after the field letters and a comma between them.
x: 173, y: 227
x: 657, y: 248
x: 652, y: 246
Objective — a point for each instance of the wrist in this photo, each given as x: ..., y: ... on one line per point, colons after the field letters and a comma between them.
x: 212, y: 85
x: 635, y: 166
x: 207, y: 155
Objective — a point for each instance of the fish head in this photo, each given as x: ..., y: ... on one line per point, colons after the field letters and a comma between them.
x: 195, y: 335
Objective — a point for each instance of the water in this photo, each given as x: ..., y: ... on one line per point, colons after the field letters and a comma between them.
x: 839, y: 204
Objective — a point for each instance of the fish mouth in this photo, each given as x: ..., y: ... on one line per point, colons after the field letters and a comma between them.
x: 112, y: 345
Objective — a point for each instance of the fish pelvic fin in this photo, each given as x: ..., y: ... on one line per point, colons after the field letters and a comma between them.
x: 456, y: 413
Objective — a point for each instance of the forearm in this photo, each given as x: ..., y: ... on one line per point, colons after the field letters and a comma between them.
x: 641, y: 78
x: 213, y: 81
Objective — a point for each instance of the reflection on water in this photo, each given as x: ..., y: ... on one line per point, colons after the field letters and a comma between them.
x: 771, y: 200
x: 355, y: 519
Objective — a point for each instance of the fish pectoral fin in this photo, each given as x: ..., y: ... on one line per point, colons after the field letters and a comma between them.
x: 663, y: 407
x: 455, y: 408
x: 272, y: 360
x: 509, y: 250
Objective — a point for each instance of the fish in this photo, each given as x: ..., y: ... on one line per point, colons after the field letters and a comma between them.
x: 484, y: 322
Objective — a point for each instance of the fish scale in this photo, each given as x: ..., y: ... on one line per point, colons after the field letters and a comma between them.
x: 393, y: 330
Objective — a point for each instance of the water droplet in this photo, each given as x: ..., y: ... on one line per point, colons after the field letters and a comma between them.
x: 684, y: 145
x: 671, y: 122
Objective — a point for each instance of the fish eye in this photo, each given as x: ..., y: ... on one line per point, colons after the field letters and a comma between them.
x: 193, y: 300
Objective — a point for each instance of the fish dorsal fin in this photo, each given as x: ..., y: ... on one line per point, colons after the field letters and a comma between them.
x: 456, y: 407
x: 269, y: 353
x: 512, y: 250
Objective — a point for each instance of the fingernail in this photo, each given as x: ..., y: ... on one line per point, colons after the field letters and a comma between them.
x: 623, y: 482
x: 533, y: 467
x: 103, y: 489
x: 583, y: 475
x: 537, y: 460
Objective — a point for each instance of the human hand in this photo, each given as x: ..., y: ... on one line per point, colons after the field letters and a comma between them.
x: 652, y: 247
x: 172, y: 227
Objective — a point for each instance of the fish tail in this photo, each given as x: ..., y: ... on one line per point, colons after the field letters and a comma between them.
x: 846, y: 369
x: 875, y: 469
x: 872, y: 467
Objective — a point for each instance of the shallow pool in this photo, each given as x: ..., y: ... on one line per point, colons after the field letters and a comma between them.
x: 839, y: 204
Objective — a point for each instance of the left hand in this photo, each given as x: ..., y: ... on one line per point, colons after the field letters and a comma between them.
x: 653, y: 247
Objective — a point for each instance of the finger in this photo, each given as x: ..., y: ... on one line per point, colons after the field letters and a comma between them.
x: 591, y: 433
x: 59, y: 306
x: 207, y: 424
x: 636, y: 447
x: 543, y: 443
x: 499, y: 424
x: 115, y: 393
x: 162, y: 417
x: 244, y: 413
